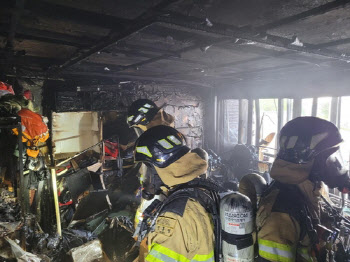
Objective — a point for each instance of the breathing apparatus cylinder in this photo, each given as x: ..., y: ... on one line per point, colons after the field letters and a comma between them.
x: 237, y: 223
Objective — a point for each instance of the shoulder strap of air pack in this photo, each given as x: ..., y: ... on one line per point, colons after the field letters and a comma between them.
x: 206, y: 193
x: 291, y: 200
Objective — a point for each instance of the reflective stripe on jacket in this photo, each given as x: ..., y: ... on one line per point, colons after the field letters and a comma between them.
x: 274, y: 251
x: 161, y: 253
x: 281, y: 229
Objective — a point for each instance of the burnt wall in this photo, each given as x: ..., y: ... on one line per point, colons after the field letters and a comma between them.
x: 185, y: 104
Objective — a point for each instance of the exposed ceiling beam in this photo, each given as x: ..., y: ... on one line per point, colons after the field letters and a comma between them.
x: 272, y: 70
x: 106, y: 41
x: 26, y: 33
x: 74, y: 74
x: 312, y: 12
x: 334, y: 43
x: 267, y: 40
x: 161, y: 30
x: 46, y: 9
x: 135, y: 25
x: 139, y: 52
x: 145, y: 48
x: 43, y: 62
x: 128, y: 52
x: 176, y: 53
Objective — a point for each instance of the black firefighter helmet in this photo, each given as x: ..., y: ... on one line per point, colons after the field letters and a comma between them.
x: 306, y: 139
x: 160, y: 146
x: 141, y: 112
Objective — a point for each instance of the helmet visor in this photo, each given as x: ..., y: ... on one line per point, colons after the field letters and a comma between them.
x: 301, y: 155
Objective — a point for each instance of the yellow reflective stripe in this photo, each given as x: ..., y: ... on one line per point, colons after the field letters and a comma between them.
x: 174, y: 140
x: 273, y: 257
x: 165, y: 144
x: 151, y: 258
x: 130, y: 118
x: 275, y: 244
x: 143, y: 150
x: 160, y: 253
x: 201, y: 258
x: 143, y: 110
x: 275, y: 251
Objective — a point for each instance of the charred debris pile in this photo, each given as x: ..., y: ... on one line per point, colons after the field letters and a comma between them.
x: 59, y: 204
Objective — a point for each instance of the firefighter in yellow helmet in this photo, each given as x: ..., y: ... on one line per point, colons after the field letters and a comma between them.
x: 289, y: 214
x: 181, y: 227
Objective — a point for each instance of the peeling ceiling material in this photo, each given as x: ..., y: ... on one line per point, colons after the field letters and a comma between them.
x: 211, y: 44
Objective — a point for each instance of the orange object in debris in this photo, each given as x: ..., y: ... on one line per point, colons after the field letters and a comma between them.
x: 34, y: 130
x: 32, y: 152
x: 33, y: 123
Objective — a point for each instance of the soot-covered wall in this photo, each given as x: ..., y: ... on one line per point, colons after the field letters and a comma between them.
x: 185, y: 104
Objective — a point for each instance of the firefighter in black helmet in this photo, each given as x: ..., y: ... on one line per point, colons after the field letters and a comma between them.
x: 289, y: 211
x: 144, y: 114
x: 183, y: 228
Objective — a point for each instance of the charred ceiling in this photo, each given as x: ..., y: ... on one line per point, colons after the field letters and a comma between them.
x: 221, y: 44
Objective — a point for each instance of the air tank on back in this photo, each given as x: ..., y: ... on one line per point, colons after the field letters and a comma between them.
x: 237, y: 223
x: 253, y: 186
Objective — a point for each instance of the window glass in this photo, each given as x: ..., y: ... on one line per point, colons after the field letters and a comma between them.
x: 324, y: 107
x: 268, y: 118
x: 306, y: 107
x: 345, y: 129
x: 231, y: 121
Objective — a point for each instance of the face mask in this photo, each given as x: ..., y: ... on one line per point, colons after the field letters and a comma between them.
x: 152, y: 185
x: 335, y: 174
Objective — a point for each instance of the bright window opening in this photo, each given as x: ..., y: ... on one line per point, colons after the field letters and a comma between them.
x: 324, y: 107
x: 306, y: 107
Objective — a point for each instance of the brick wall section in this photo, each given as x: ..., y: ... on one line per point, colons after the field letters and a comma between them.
x: 183, y: 104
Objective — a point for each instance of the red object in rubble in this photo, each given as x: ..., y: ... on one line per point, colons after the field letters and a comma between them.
x: 64, y: 204
x: 111, y: 149
x: 28, y: 94
x: 6, y: 87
